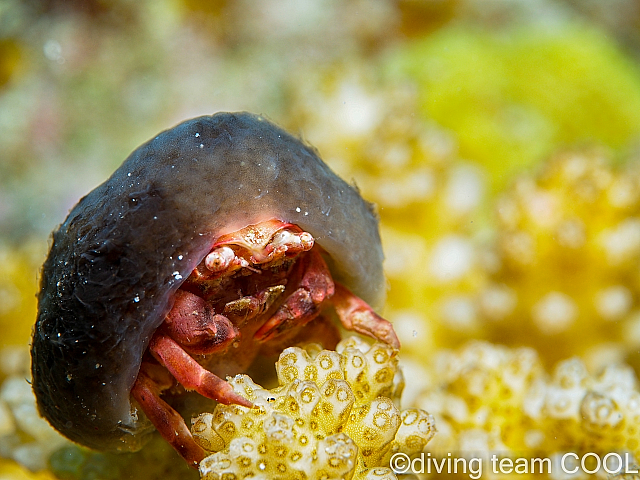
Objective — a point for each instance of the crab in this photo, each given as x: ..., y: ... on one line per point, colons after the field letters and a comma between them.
x: 217, y: 240
x: 258, y: 286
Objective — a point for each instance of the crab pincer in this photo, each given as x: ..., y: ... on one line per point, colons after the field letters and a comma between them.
x: 220, y: 238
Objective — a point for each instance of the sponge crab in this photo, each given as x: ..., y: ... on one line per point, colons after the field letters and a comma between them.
x: 217, y: 240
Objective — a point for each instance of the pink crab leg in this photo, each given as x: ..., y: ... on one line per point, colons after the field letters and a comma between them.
x: 356, y: 315
x: 167, y: 421
x: 190, y: 373
x: 303, y: 305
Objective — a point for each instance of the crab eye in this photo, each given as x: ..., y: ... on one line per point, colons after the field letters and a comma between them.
x: 306, y: 240
x: 286, y: 238
x: 219, y: 259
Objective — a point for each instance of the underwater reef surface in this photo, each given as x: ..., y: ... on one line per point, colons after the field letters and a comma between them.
x: 499, y: 141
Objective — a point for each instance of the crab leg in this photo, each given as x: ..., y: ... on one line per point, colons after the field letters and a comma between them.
x: 356, y: 315
x: 191, y: 324
x: 167, y: 421
x: 191, y: 374
x: 303, y: 305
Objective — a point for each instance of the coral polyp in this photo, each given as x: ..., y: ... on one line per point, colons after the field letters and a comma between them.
x: 333, y: 416
x: 494, y: 399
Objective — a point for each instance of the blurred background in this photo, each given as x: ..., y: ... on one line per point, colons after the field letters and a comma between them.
x: 500, y: 140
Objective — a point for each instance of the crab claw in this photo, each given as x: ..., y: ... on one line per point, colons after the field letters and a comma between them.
x: 194, y: 325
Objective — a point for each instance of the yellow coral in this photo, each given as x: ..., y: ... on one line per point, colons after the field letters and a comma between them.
x: 513, y: 95
x: 568, y: 252
x: 430, y: 201
x: 333, y: 416
x: 496, y: 399
x: 24, y: 436
x: 18, y: 286
x: 480, y: 398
